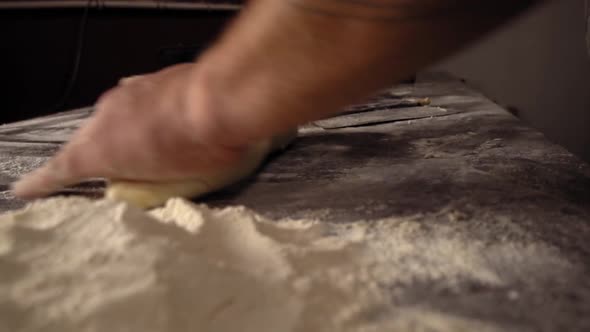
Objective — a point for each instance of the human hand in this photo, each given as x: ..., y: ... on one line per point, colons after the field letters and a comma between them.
x: 155, y: 127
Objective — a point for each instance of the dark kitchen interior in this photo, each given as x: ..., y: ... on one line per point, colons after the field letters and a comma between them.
x: 40, y: 50
x: 457, y: 200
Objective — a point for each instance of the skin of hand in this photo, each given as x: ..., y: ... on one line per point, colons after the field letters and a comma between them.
x: 146, y: 128
x: 280, y: 64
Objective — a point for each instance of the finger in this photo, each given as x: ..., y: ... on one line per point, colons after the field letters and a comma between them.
x: 36, y: 184
x: 43, y: 182
x: 70, y: 166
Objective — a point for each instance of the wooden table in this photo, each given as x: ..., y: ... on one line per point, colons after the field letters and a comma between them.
x: 462, y: 160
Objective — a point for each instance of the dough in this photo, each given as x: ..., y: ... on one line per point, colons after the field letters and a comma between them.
x: 150, y: 194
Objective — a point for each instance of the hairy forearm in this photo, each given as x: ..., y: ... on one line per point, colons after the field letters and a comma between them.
x: 285, y: 62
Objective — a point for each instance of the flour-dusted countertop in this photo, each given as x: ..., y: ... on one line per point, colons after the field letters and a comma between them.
x: 461, y: 163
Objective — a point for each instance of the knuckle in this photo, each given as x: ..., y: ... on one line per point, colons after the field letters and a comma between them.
x: 106, y: 99
x: 113, y: 99
x: 130, y: 79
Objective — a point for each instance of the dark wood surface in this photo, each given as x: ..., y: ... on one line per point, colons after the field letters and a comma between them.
x: 476, y: 166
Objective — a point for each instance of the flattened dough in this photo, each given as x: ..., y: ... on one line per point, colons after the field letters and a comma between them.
x: 150, y: 194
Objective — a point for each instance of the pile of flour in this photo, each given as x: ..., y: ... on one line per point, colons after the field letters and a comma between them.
x: 73, y: 264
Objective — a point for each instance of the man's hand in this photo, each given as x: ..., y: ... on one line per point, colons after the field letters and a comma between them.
x: 154, y: 127
x: 280, y: 64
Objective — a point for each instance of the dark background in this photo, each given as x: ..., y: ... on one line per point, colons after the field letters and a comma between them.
x: 39, y: 48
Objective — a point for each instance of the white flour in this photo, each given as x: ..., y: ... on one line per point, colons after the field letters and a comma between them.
x: 102, y: 265
x: 86, y: 262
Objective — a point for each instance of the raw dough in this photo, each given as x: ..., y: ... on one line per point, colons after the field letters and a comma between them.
x: 150, y: 194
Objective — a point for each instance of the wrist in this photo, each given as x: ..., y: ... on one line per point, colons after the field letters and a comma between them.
x: 206, y: 109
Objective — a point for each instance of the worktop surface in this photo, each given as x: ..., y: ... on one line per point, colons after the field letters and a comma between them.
x: 455, y: 159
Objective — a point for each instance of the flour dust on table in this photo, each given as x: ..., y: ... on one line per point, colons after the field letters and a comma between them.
x: 74, y: 264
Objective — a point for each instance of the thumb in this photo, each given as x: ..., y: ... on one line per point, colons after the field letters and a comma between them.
x: 59, y: 172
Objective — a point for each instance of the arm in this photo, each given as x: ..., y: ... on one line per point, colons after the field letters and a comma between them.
x: 280, y: 64
x: 292, y: 61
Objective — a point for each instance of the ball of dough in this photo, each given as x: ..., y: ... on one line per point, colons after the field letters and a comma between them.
x: 150, y: 194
